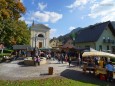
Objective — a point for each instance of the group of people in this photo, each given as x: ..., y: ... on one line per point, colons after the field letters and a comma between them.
x: 67, y: 57
x: 102, y: 62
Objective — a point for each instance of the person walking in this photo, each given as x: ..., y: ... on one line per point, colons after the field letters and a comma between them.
x: 59, y: 57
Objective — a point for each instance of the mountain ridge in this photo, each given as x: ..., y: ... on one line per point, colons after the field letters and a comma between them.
x: 67, y: 36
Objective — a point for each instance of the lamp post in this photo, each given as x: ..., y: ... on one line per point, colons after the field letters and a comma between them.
x: 35, y: 41
x: 35, y: 44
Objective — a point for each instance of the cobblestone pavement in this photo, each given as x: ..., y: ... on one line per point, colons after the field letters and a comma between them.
x: 15, y: 71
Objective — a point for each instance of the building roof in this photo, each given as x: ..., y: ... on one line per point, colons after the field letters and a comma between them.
x: 93, y: 32
x: 41, y: 26
x: 68, y: 44
x: 53, y: 39
x: 21, y: 47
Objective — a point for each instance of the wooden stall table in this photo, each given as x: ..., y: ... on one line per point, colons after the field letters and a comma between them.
x: 100, y: 71
x: 103, y: 72
x: 87, y: 68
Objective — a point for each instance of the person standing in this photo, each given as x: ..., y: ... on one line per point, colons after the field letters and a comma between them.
x: 59, y: 57
x: 79, y: 60
x: 69, y: 60
x: 101, y: 63
x: 110, y: 69
x: 62, y: 57
x: 96, y: 61
x: 66, y: 58
x: 34, y: 60
x: 38, y: 60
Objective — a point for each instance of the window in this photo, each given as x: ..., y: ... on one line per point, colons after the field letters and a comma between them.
x: 87, y: 46
x: 40, y: 35
x: 107, y: 47
x: 104, y: 39
x: 108, y: 40
x: 100, y: 47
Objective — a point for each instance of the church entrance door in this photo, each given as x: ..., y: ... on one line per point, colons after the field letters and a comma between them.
x: 40, y: 44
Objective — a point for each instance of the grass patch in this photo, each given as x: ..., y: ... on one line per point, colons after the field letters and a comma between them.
x: 55, y: 81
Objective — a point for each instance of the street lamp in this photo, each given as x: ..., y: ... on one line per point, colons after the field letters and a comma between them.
x: 35, y: 44
x: 35, y: 41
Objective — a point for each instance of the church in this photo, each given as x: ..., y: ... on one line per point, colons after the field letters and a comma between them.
x: 40, y: 36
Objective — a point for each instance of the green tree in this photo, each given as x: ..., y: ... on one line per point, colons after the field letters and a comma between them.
x: 73, y: 35
x: 11, y: 9
x: 22, y: 33
x: 12, y: 30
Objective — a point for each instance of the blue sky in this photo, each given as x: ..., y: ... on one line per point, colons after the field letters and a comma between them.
x: 62, y: 16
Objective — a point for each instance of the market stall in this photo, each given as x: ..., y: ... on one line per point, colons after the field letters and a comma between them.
x: 97, y: 69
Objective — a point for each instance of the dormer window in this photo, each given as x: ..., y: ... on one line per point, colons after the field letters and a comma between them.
x: 108, y: 40
x: 104, y: 39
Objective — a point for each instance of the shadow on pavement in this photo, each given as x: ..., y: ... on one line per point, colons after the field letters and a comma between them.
x: 85, y: 78
x: 21, y: 63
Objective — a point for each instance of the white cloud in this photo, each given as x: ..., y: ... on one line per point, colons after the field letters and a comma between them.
x: 77, y: 4
x: 53, y: 30
x: 52, y: 33
x: 21, y: 1
x: 43, y: 17
x: 54, y: 17
x: 46, y: 24
x: 42, y: 6
x: 92, y: 1
x: 22, y: 18
x: 71, y: 28
x: 47, y: 16
x: 105, y: 10
x: 28, y: 22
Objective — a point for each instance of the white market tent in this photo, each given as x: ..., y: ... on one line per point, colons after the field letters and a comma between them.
x: 98, y: 53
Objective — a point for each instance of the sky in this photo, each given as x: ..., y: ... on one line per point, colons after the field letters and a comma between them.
x: 62, y: 16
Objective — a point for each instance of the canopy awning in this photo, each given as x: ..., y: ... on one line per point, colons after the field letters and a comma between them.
x: 98, y: 53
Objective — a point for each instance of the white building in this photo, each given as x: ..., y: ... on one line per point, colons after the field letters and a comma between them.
x: 40, y: 36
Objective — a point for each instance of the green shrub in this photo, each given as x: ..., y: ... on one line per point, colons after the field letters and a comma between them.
x: 7, y: 51
x: 4, y: 54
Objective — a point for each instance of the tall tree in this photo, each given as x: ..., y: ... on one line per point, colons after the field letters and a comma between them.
x: 22, y: 33
x: 12, y: 30
x: 11, y: 9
